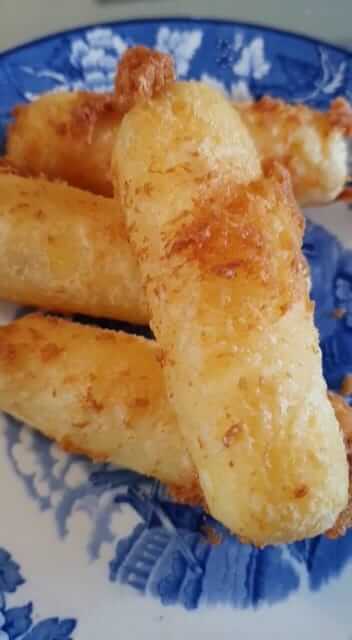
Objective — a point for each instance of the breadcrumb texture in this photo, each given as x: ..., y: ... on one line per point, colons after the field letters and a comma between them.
x: 67, y: 250
x: 70, y: 136
x: 142, y: 74
x: 344, y: 416
x: 95, y: 392
x: 241, y: 354
x: 311, y: 144
x: 66, y: 136
x: 129, y: 423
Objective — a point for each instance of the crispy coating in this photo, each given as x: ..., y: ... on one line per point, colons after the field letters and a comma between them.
x: 346, y: 194
x: 69, y: 136
x: 141, y: 75
x: 95, y: 392
x: 344, y: 416
x: 7, y: 168
x: 230, y: 238
x: 37, y: 349
x: 340, y: 116
x: 309, y: 143
x: 241, y: 355
x: 188, y: 494
x: 66, y: 250
x: 346, y: 386
x: 66, y: 136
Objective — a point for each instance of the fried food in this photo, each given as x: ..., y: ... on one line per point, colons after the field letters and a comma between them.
x: 343, y: 414
x: 150, y: 80
x: 219, y: 247
x: 66, y: 136
x: 66, y: 250
x: 70, y: 136
x: 95, y: 392
x: 38, y: 355
x: 310, y: 144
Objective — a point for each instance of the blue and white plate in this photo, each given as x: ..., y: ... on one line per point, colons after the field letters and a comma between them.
x: 92, y: 552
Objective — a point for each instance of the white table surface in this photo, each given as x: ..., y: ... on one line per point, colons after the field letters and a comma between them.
x: 22, y: 20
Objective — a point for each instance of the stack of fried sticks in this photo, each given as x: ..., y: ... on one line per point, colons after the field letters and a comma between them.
x: 65, y: 247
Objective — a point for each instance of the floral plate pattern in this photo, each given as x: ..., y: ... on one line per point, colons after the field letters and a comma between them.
x: 105, y: 550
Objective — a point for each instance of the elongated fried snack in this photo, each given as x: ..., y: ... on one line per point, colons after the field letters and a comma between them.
x: 219, y: 246
x: 66, y: 136
x: 96, y: 392
x: 39, y: 356
x: 70, y: 136
x: 67, y: 250
x: 310, y: 144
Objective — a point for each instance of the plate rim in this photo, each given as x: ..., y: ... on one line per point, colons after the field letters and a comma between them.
x: 175, y: 19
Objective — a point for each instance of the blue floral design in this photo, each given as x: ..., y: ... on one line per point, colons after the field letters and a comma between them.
x: 180, y: 44
x: 244, y: 60
x: 10, y: 577
x: 16, y: 622
x: 167, y: 553
x: 94, y: 58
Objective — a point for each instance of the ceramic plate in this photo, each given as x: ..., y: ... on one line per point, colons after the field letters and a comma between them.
x: 92, y: 552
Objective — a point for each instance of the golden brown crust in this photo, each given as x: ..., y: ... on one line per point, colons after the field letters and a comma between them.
x: 268, y: 110
x: 95, y: 392
x: 66, y: 136
x: 50, y: 351
x: 70, y: 137
x: 344, y: 417
x: 190, y: 494
x: 308, y: 142
x: 238, y: 349
x: 225, y: 237
x: 301, y: 491
x: 142, y: 74
x: 346, y: 387
x: 193, y: 494
x: 77, y: 248
x: 343, y: 523
x: 346, y: 195
x: 7, y: 168
x: 70, y: 446
x: 88, y: 109
x: 340, y: 116
x: 38, y: 337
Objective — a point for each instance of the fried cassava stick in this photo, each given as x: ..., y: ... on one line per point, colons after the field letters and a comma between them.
x: 219, y: 247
